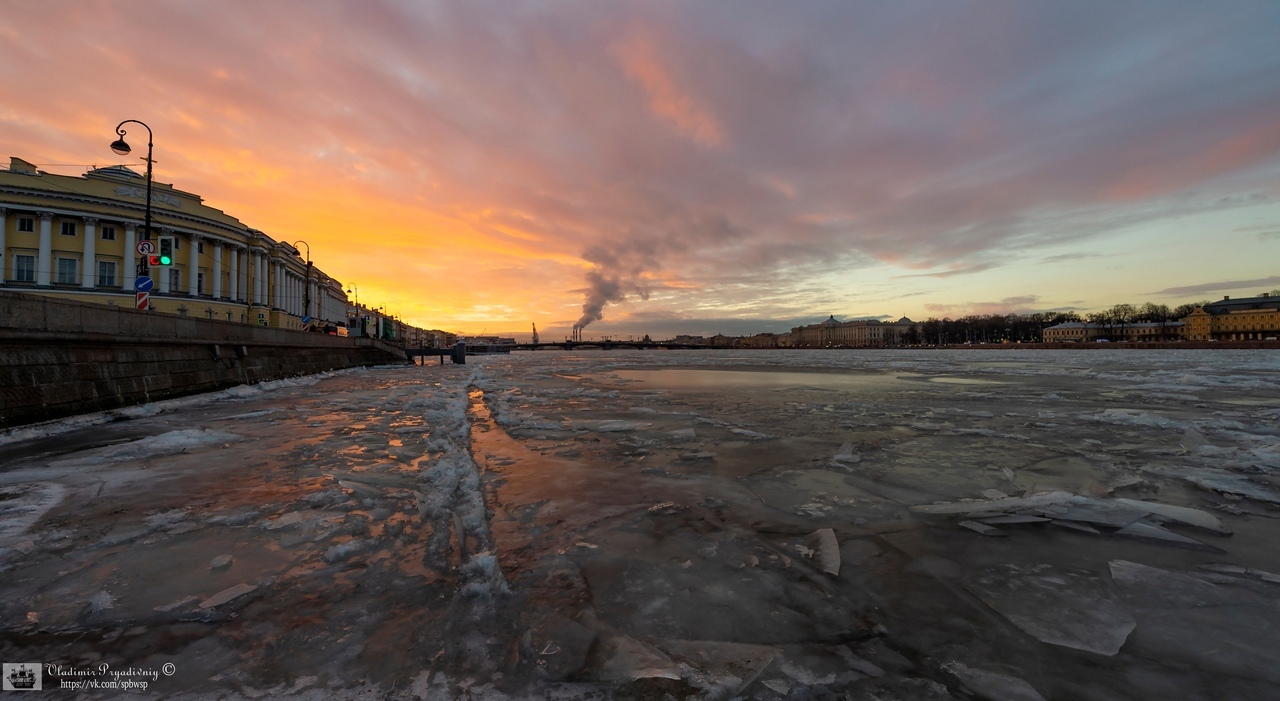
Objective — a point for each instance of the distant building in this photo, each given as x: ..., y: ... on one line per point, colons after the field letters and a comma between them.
x: 1080, y: 332
x: 1248, y: 318
x: 858, y: 333
x: 760, y: 340
x: 75, y: 237
x: 487, y: 341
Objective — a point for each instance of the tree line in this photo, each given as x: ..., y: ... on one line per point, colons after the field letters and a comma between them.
x: 1029, y: 328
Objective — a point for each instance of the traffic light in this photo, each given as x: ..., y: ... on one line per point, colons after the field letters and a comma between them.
x: 153, y: 261
x: 166, y: 252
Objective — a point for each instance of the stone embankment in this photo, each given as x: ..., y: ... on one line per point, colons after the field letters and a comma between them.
x: 60, y: 358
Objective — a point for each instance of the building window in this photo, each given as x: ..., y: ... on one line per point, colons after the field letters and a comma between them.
x: 200, y: 247
x: 68, y: 228
x: 175, y: 279
x: 177, y: 243
x: 106, y: 273
x: 200, y: 283
x: 108, y: 233
x: 67, y: 271
x: 26, y: 224
x: 24, y: 268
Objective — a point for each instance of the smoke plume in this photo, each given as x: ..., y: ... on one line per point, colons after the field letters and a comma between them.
x: 618, y: 272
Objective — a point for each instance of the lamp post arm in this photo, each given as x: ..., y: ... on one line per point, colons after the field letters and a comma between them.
x: 146, y: 230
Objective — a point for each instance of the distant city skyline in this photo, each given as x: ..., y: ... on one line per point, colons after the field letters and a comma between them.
x: 678, y: 167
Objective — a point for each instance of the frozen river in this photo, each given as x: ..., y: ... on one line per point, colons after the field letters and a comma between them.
x: 1077, y: 525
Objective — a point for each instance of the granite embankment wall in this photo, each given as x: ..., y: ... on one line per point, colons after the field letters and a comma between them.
x: 59, y: 358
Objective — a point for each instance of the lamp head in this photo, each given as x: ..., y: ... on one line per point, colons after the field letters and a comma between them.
x: 120, y: 147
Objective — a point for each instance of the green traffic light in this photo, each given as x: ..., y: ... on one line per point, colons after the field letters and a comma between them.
x: 165, y: 260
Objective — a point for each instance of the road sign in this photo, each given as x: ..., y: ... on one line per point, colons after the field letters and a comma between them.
x: 143, y: 284
x: 146, y: 248
x: 144, y: 300
x: 306, y: 320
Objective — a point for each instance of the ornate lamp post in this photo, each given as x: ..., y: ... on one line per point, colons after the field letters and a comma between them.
x: 306, y: 290
x: 352, y: 287
x: 121, y: 148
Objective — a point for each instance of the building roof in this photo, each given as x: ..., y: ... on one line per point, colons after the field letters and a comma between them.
x: 114, y: 191
x: 1227, y: 305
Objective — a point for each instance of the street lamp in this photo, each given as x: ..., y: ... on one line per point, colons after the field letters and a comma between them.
x: 122, y: 149
x: 352, y: 287
x: 306, y: 290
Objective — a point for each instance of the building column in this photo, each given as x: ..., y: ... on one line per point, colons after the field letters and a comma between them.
x: 193, y: 288
x: 217, y: 270
x: 259, y: 278
x: 251, y: 290
x: 261, y: 270
x: 44, y: 263
x: 130, y: 263
x: 278, y: 289
x: 233, y: 274
x: 242, y: 287
x: 90, y: 254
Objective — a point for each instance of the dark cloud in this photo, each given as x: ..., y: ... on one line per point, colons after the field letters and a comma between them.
x: 1067, y: 257
x: 1258, y: 285
x: 1023, y: 304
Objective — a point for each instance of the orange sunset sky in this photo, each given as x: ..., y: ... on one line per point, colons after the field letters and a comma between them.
x: 692, y: 167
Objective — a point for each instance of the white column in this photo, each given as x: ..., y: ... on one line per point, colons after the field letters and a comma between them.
x: 244, y: 289
x: 278, y: 291
x: 234, y: 277
x: 260, y: 278
x: 254, y: 284
x: 130, y: 263
x: 90, y: 253
x: 217, y: 270
x: 193, y: 288
x: 44, y: 263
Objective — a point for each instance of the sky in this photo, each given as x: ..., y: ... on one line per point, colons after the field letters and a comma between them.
x: 657, y: 167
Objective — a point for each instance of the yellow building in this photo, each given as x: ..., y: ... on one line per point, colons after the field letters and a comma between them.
x: 76, y: 237
x: 1249, y: 318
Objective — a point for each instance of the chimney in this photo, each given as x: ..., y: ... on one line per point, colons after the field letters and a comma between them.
x: 17, y: 165
x: 1226, y: 298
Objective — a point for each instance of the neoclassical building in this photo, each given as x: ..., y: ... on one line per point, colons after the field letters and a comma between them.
x: 1243, y: 319
x: 857, y: 333
x: 75, y: 237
